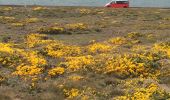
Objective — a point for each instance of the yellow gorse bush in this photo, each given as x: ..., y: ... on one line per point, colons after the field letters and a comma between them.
x: 76, y: 78
x: 31, y: 66
x: 56, y: 71
x: 164, y: 47
x: 134, y: 35
x: 27, y: 63
x: 99, y: 47
x: 132, y: 66
x: 129, y: 65
x: 17, y: 24
x: 124, y: 65
x: 7, y: 8
x: 71, y: 93
x: 117, y: 40
x: 77, y: 63
x: 58, y: 29
x: 6, y: 47
x: 58, y: 49
x: 52, y: 30
x: 7, y: 19
x: 77, y: 26
x: 1, y: 79
x: 26, y: 70
x: 33, y: 40
x: 39, y: 8
x: 147, y: 93
x: 31, y: 20
x: 64, y: 29
x: 8, y: 56
x: 33, y: 60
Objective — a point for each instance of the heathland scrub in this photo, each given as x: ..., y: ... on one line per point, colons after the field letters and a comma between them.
x: 84, y: 53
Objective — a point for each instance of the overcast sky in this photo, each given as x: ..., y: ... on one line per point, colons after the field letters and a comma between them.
x: 136, y: 3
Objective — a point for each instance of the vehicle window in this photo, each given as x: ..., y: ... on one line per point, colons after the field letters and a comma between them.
x: 112, y: 2
x: 121, y: 2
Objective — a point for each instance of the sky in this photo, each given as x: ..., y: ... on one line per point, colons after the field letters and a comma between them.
x: 133, y: 3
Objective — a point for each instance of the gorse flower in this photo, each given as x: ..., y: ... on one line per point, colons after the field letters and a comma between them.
x: 71, y: 93
x: 77, y: 63
x: 7, y: 19
x: 32, y: 61
x: 32, y: 20
x: 34, y: 40
x: 77, y: 26
x: 83, y: 53
x: 163, y: 47
x: 117, y: 40
x: 39, y: 8
x: 6, y: 48
x: 57, y: 29
x: 146, y: 93
x: 1, y: 79
x: 58, y: 49
x: 25, y: 70
x: 99, y: 47
x: 52, y: 30
x: 76, y: 78
x: 7, y: 8
x: 17, y: 24
x: 134, y: 35
x: 56, y: 71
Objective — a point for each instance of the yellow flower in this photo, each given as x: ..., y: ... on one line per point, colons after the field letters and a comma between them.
x: 56, y: 71
x: 146, y: 93
x: 39, y: 8
x: 58, y: 49
x: 71, y: 93
x: 17, y: 24
x: 33, y: 39
x: 77, y: 26
x: 32, y: 20
x: 7, y: 8
x: 98, y: 47
x: 75, y: 78
x: 26, y: 70
x: 162, y: 47
x: 57, y: 29
x: 6, y: 47
x: 1, y: 79
x: 77, y: 63
x: 33, y: 58
x: 134, y: 35
x: 117, y: 40
x: 7, y: 19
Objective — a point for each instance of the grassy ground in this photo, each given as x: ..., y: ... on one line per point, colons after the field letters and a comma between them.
x: 82, y: 53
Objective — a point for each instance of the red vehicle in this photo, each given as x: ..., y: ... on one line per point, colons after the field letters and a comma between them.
x: 118, y: 4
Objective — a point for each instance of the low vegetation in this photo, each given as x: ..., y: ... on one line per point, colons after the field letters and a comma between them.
x: 79, y: 53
